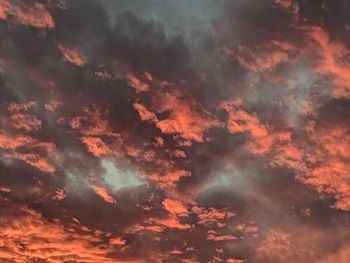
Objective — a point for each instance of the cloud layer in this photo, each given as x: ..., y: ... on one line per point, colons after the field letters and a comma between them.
x: 174, y: 131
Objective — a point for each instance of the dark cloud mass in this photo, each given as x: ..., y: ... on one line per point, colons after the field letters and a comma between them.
x: 174, y: 131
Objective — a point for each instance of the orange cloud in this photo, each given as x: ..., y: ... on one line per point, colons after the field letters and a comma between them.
x: 72, y: 56
x: 276, y: 246
x: 186, y: 118
x: 25, y: 122
x: 102, y: 74
x: 53, y: 105
x: 26, y: 13
x: 5, y: 189
x: 149, y: 155
x: 159, y: 141
x: 151, y: 228
x: 34, y: 160
x: 4, y: 5
x: 168, y: 178
x: 97, y: 124
x: 179, y: 154
x: 323, y: 166
x: 29, y: 237
x: 212, y: 236
x: 14, y: 107
x: 137, y: 84
x: 289, y: 5
x: 330, y: 170
x: 96, y: 131
x: 96, y: 146
x: 132, y: 151
x: 60, y: 194
x: 265, y: 138
x: 145, y: 115
x: 175, y: 207
x: 158, y: 225
x: 103, y: 193
x: 173, y: 222
x: 8, y: 142
x: 233, y: 260
x: 209, y: 216
x: 32, y: 155
x: 117, y: 241
x: 240, y: 121
x: 247, y: 228
x: 176, y: 210
x: 330, y: 62
x: 263, y: 58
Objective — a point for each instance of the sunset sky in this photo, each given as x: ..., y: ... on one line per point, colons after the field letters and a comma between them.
x: 175, y: 131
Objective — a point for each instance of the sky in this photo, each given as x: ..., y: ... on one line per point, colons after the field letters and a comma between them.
x: 175, y: 131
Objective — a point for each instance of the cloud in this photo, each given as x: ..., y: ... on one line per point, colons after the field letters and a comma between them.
x: 26, y: 13
x: 177, y: 131
x: 53, y: 105
x: 329, y: 171
x: 29, y: 237
x: 102, y: 192
x: 137, y: 84
x: 333, y: 61
x: 72, y: 56
x: 32, y: 151
x: 186, y: 118
x: 145, y: 114
x: 211, y: 236
x: 96, y: 146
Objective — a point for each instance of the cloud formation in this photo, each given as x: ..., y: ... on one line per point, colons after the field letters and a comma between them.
x: 216, y: 133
